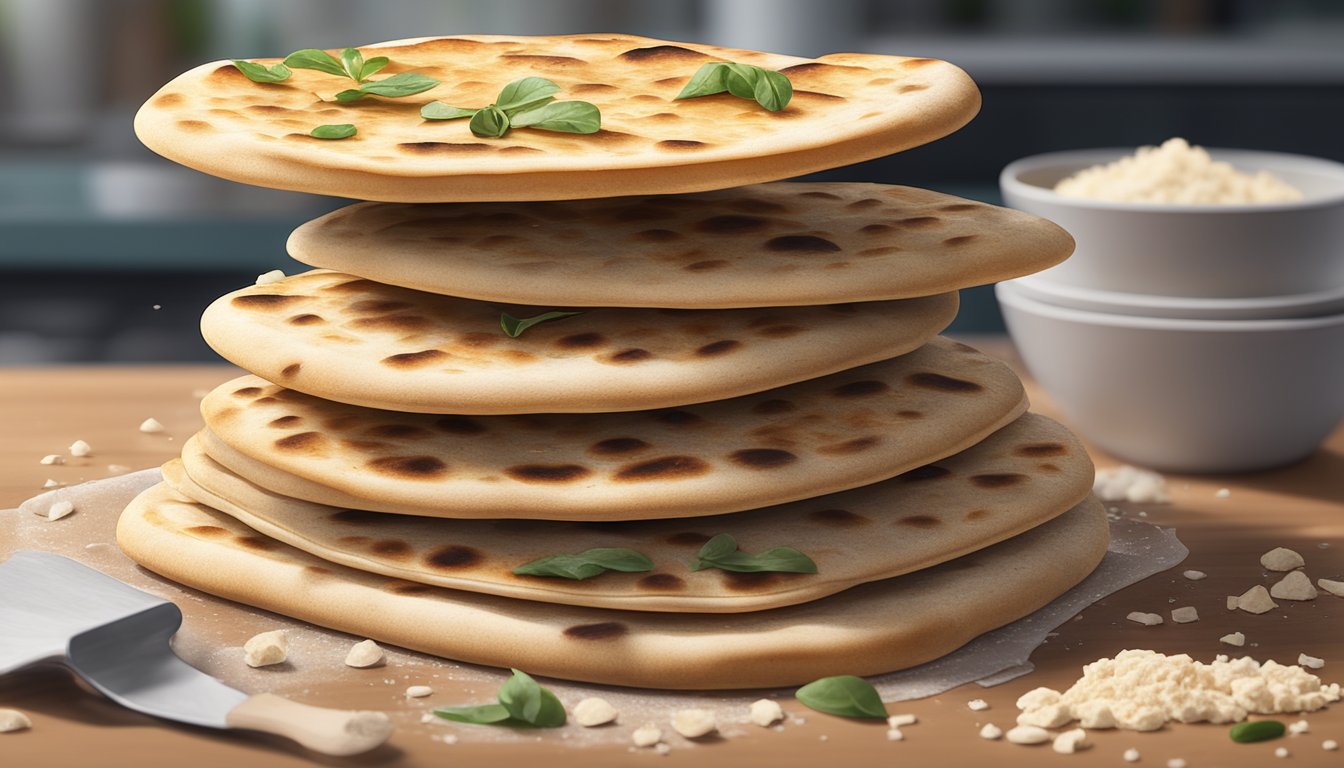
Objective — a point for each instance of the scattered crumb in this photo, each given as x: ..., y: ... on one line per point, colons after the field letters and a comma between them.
x: 1235, y: 638
x: 1223, y: 493
x: 1335, y: 588
x: 52, y: 458
x: 52, y: 483
x: 896, y: 721
x: 766, y: 712
x: 449, y: 738
x: 156, y: 307
x: 662, y: 749
x: 1185, y: 615
x: 13, y: 720
x: 268, y: 278
x: 79, y: 449
x: 1294, y: 586
x: 1299, y: 728
x: 977, y: 705
x: 1028, y: 734
x: 60, y: 509
x: 1071, y: 741
x: 1176, y: 762
x: 1330, y: 745
x: 266, y: 649
x: 1195, y: 575
x: 118, y: 469
x: 694, y: 723
x: 1232, y: 602
x: 1256, y: 600
x: 1281, y: 559
x: 592, y: 712
x: 991, y: 731
x: 364, y: 654
x: 1281, y: 752
x: 894, y: 734
x: 419, y: 691
x: 1131, y: 755
x: 151, y: 426
x: 1128, y: 483
x: 1146, y: 619
x: 646, y: 735
x: 1310, y: 662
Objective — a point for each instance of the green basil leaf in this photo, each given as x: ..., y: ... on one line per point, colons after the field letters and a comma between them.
x: 563, y: 116
x: 587, y: 564
x: 312, y: 58
x: 350, y: 94
x: 527, y: 701
x: 480, y: 714
x: 398, y: 85
x: 372, y: 67
x: 773, y: 90
x: 1259, y: 730
x: 718, y: 547
x: 514, y: 326
x: 338, y: 131
x: 437, y: 110
x: 352, y: 63
x: 741, y: 80
x: 490, y: 123
x: 258, y: 74
x: 708, y: 80
x: 844, y: 695
x: 525, y: 93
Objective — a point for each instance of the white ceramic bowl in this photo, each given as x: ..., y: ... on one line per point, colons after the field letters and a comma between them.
x: 1141, y: 304
x: 1186, y: 395
x: 1198, y: 251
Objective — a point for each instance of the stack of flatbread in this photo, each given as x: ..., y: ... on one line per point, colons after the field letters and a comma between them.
x: 723, y: 353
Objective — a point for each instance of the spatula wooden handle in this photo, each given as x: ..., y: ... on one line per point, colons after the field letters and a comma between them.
x: 329, y: 731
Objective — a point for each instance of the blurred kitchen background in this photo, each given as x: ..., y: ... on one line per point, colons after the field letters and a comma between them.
x: 109, y: 253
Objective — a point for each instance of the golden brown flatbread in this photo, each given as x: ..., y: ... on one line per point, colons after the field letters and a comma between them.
x: 1017, y: 478
x: 846, y: 107
x: 874, y: 628
x: 829, y: 434
x: 355, y: 341
x: 780, y: 244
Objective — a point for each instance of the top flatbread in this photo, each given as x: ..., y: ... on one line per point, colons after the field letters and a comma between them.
x: 828, y: 434
x: 846, y: 107
x: 757, y: 246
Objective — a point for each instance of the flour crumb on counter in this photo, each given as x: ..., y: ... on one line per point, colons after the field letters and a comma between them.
x: 1176, y: 762
x: 1294, y: 586
x: 1330, y: 745
x: 1131, y: 755
x: 1223, y: 493
x: 1281, y: 752
x: 694, y: 723
x: 1127, y: 483
x: 1070, y: 741
x: 1195, y: 575
x: 1310, y: 662
x: 900, y: 721
x: 53, y: 483
x: 593, y: 711
x: 57, y: 510
x: 1281, y: 559
x: 52, y: 458
x: 766, y: 712
x: 977, y: 705
x: 1028, y: 734
x: 1185, y: 615
x: 1335, y: 588
x: 1256, y: 600
x: 151, y: 426
x: 991, y: 732
x: 364, y: 654
x: 895, y: 734
x: 12, y: 720
x: 1146, y: 619
x: 1233, y: 638
x: 266, y: 649
x: 79, y: 449
x: 646, y: 735
x: 419, y: 691
x: 1298, y: 728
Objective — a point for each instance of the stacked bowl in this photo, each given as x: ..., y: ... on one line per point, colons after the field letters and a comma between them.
x: 1188, y: 337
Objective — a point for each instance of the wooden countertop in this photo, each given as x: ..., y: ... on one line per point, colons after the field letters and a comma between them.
x: 1302, y: 507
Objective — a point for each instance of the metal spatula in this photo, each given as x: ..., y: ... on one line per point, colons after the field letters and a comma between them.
x: 54, y: 610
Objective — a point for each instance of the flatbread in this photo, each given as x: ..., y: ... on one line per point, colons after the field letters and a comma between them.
x: 356, y: 341
x: 1019, y: 477
x: 874, y: 628
x: 780, y: 244
x: 825, y: 435
x: 846, y: 107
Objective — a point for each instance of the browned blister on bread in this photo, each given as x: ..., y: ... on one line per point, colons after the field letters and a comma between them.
x: 845, y: 108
